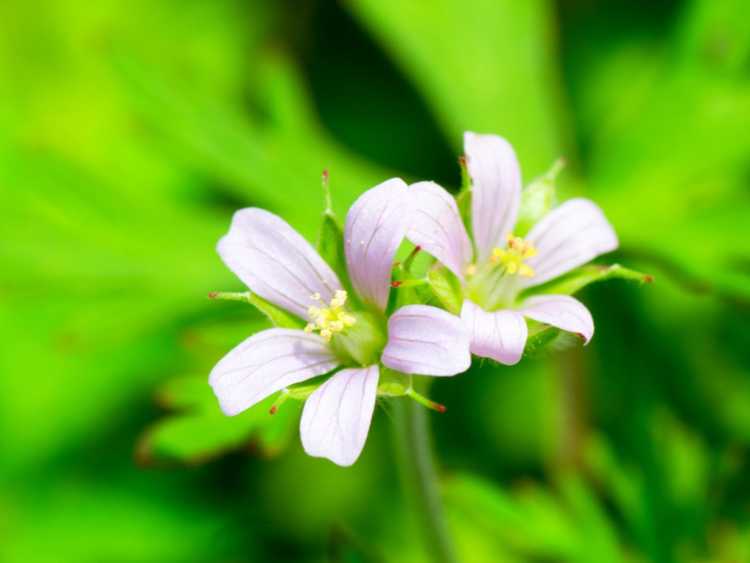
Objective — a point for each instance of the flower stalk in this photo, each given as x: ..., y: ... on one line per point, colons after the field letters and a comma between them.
x: 419, y: 476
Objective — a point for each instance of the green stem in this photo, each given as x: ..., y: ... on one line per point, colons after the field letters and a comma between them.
x: 419, y: 477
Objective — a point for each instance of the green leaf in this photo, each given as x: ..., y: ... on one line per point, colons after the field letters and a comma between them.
x: 199, y: 431
x: 249, y: 157
x: 431, y: 41
x: 277, y: 316
x: 537, y: 199
x: 447, y: 288
x: 576, y: 280
x: 536, y: 523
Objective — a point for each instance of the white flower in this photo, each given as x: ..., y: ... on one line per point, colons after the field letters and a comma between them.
x: 503, y: 265
x: 276, y: 263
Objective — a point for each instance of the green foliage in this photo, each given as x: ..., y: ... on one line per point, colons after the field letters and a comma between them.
x: 130, y: 132
x: 198, y: 431
x: 533, y: 523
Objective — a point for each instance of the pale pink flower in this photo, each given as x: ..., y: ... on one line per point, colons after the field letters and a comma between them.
x: 278, y: 264
x: 500, y: 265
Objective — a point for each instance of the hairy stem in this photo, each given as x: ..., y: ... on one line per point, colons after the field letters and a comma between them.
x: 419, y: 477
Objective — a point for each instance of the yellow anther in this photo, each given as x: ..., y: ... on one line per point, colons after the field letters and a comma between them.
x: 511, y: 258
x: 526, y: 271
x: 331, y: 319
x: 339, y: 299
x: 471, y: 269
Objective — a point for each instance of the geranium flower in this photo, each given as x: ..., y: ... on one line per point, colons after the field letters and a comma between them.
x: 278, y: 264
x: 499, y: 265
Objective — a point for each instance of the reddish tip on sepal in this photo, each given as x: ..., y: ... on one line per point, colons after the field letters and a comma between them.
x: 425, y: 402
x: 436, y: 406
x: 283, y: 396
x: 324, y: 176
x: 648, y: 278
x: 213, y: 294
x: 581, y: 336
x: 396, y: 283
x: 462, y: 161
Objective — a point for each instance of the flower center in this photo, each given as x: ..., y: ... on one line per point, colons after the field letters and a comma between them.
x: 511, y: 258
x: 331, y: 319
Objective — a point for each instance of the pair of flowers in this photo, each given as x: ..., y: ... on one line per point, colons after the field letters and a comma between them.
x: 351, y: 331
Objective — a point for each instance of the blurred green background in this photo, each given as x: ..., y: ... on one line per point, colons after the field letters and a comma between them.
x: 129, y: 133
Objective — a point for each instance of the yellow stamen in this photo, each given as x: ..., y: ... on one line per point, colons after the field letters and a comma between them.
x: 511, y: 258
x: 330, y: 319
x: 526, y: 271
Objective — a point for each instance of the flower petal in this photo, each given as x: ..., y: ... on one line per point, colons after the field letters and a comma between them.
x: 375, y: 227
x: 436, y: 226
x: 265, y: 363
x: 496, y: 189
x: 500, y: 335
x: 426, y: 340
x: 337, y: 416
x: 275, y: 262
x: 567, y: 237
x: 561, y: 311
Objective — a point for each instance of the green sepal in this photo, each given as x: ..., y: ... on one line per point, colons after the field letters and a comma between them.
x: 405, y: 286
x: 463, y: 198
x: 331, y: 247
x: 543, y: 338
x: 537, y: 199
x: 447, y: 288
x: 579, y: 278
x: 393, y: 383
x: 301, y: 391
x: 277, y: 316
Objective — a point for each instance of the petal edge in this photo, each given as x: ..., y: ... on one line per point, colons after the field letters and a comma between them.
x: 496, y: 189
x: 375, y: 227
x: 561, y: 311
x: 265, y: 363
x: 436, y: 226
x: 336, y: 417
x: 275, y: 261
x: 499, y: 335
x: 425, y: 340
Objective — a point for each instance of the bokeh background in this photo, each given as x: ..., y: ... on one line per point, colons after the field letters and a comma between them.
x: 129, y: 133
